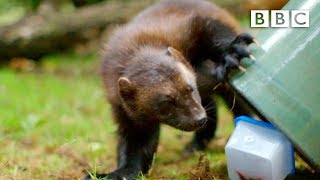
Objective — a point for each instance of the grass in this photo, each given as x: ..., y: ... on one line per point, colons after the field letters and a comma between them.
x: 56, y: 124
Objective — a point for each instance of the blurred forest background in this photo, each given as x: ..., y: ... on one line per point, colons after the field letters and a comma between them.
x: 34, y: 28
x: 54, y: 120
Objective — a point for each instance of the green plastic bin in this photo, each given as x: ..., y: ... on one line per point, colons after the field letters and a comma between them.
x: 284, y: 82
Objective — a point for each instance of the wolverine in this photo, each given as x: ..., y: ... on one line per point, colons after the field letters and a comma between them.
x: 164, y: 67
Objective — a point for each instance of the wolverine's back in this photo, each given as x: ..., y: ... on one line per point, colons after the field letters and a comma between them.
x: 165, y: 24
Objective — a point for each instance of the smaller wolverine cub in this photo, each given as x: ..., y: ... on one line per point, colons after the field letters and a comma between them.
x: 162, y: 67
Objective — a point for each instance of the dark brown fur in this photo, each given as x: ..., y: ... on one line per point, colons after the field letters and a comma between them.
x: 145, y: 82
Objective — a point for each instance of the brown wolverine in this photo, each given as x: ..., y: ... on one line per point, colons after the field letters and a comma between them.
x: 150, y: 67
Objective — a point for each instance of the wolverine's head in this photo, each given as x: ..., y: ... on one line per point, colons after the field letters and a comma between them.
x: 161, y: 86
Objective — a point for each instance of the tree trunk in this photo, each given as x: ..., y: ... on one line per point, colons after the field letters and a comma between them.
x: 40, y: 34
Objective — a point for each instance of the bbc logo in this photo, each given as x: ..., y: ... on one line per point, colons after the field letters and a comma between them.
x: 280, y: 18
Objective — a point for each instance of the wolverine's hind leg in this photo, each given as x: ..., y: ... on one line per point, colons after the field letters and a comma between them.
x: 203, y: 136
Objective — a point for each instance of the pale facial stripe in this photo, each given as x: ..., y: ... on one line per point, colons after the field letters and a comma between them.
x: 186, y: 75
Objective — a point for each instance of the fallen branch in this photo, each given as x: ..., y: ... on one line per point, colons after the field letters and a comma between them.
x: 40, y: 34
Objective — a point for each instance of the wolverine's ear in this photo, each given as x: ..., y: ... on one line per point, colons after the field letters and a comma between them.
x: 126, y: 88
x: 171, y: 51
x: 174, y: 53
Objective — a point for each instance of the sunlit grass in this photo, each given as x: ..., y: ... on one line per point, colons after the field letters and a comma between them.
x: 49, y: 119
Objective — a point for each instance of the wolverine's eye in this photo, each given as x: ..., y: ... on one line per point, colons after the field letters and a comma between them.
x: 166, y: 99
x: 166, y: 104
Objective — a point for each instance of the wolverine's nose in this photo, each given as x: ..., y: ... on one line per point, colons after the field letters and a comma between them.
x: 201, y: 120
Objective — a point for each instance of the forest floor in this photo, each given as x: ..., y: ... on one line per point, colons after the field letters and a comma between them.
x: 56, y: 124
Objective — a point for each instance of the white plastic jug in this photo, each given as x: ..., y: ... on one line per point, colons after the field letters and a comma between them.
x: 257, y: 150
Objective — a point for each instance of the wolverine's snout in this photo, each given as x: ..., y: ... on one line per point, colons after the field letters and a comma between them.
x: 201, y: 120
x: 198, y: 113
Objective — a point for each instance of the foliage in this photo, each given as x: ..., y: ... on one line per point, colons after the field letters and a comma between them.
x: 28, y: 4
x: 33, y: 4
x: 13, y: 10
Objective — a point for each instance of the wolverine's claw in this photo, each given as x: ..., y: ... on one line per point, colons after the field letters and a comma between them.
x: 232, y: 55
x: 252, y: 57
x: 256, y: 42
x: 242, y: 68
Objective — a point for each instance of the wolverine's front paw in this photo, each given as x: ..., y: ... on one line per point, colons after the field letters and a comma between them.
x: 111, y: 176
x: 232, y: 55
